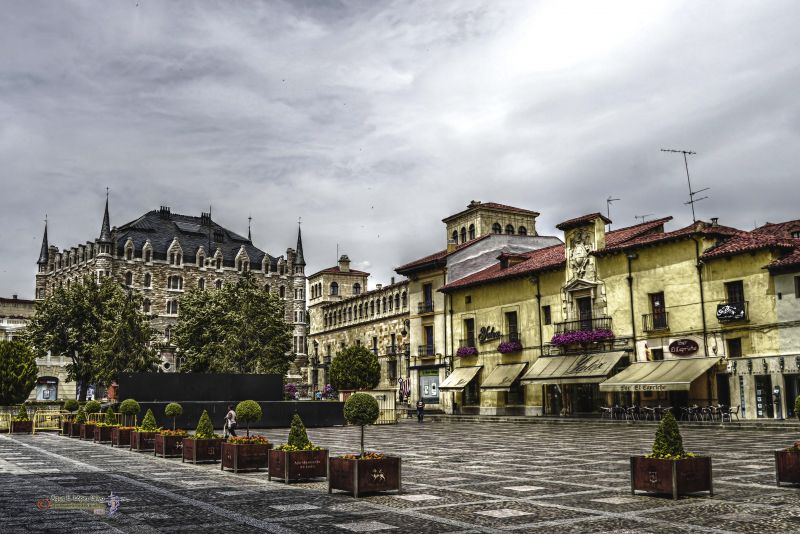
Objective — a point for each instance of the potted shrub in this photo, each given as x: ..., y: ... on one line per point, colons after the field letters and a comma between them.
x: 80, y: 419
x: 102, y: 431
x: 204, y: 446
x: 173, y: 410
x: 169, y: 443
x: 21, y: 422
x: 787, y: 464
x: 87, y: 428
x: 247, y: 452
x: 367, y: 472
x: 298, y: 458
x: 669, y: 469
x: 797, y: 407
x: 70, y: 405
x: 144, y: 437
x: 121, y: 435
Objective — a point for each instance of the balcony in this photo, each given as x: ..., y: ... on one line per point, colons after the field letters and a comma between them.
x: 425, y: 350
x: 729, y: 312
x: 595, y: 323
x: 424, y: 307
x: 469, y: 342
x: 653, y: 322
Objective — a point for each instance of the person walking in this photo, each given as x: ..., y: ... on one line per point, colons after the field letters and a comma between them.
x: 420, y: 410
x: 230, y: 422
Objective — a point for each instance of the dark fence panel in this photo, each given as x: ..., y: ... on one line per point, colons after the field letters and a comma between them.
x: 178, y: 387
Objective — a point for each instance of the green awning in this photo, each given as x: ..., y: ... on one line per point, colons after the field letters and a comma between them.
x: 503, y: 376
x: 578, y: 369
x: 460, y: 377
x: 666, y: 375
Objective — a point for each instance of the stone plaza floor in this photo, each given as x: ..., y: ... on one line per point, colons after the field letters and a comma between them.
x: 457, y: 477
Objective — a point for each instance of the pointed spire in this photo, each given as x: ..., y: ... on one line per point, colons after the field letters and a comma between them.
x: 299, y: 260
x: 105, y: 230
x: 44, y: 255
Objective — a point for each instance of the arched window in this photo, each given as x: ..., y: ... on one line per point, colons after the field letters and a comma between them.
x: 334, y: 288
x: 510, y: 229
x: 522, y: 230
x: 463, y: 235
x: 349, y: 314
x: 472, y: 231
x: 168, y: 333
x: 497, y: 229
x: 175, y: 258
x: 148, y: 255
x: 128, y: 253
x: 356, y: 289
x: 454, y: 236
x: 219, y: 263
x: 282, y: 292
x: 397, y: 301
x: 172, y: 307
x: 405, y: 299
x: 129, y: 279
x: 267, y: 288
x: 146, y: 306
x: 372, y: 308
x: 243, y: 265
x: 148, y: 280
x: 201, y: 260
x: 201, y: 283
x: 218, y: 284
x: 391, y: 303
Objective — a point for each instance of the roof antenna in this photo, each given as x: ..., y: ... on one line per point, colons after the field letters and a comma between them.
x: 249, y: 220
x: 609, y: 201
x: 643, y: 217
x: 692, y: 193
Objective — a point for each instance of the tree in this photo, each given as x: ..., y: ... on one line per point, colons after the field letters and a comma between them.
x: 173, y: 409
x: 149, y: 422
x: 248, y: 411
x: 92, y: 407
x: 361, y: 409
x: 110, y: 419
x: 204, y: 430
x: 668, y: 442
x: 129, y: 407
x: 80, y: 418
x: 298, y: 437
x: 355, y: 367
x: 71, y: 405
x: 18, y: 371
x: 22, y: 414
x: 240, y: 328
x: 797, y: 407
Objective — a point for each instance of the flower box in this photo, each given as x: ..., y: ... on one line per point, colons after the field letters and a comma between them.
x: 168, y: 446
x: 581, y: 336
x: 201, y: 450
x: 675, y: 477
x: 359, y: 476
x: 102, y: 434
x: 121, y: 437
x: 143, y: 441
x: 23, y: 427
x: 509, y: 347
x: 74, y: 430
x: 239, y: 456
x: 297, y: 465
x: 87, y: 431
x: 466, y: 351
x: 787, y: 466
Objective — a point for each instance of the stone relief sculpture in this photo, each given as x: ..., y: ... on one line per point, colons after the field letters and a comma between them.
x: 580, y: 260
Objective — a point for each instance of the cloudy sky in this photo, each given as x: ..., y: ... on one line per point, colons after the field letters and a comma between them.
x: 374, y: 120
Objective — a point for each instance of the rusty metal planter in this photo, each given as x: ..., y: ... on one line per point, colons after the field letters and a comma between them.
x: 74, y: 430
x: 787, y: 467
x: 143, y: 441
x: 201, y: 450
x: 22, y: 427
x: 168, y: 446
x: 66, y: 428
x: 102, y: 434
x: 87, y: 431
x: 241, y: 456
x: 121, y: 437
x: 675, y: 477
x: 364, y: 476
x: 297, y: 465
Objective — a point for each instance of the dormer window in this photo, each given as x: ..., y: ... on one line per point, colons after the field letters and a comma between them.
x: 129, y: 253
x: 175, y: 258
x: 148, y: 256
x: 201, y: 260
x: 796, y: 234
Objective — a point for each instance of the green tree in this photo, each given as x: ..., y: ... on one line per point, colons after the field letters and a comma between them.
x: 355, y: 367
x: 18, y: 371
x: 668, y: 442
x: 92, y: 407
x: 80, y: 418
x: 71, y: 405
x: 149, y: 422
x: 110, y: 419
x: 248, y: 411
x: 129, y: 407
x: 204, y: 430
x: 22, y: 414
x: 240, y: 328
x: 797, y: 407
x: 173, y: 410
x: 361, y: 409
x: 298, y: 437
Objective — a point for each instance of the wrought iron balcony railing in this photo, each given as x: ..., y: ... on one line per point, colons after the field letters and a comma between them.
x: 652, y: 322
x: 425, y: 307
x: 595, y: 323
x: 425, y: 350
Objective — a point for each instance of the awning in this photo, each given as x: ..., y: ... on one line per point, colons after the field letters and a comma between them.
x: 666, y: 375
x: 460, y: 377
x: 503, y: 376
x: 580, y: 369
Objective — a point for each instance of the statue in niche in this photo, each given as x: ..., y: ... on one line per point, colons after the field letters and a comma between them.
x: 580, y: 261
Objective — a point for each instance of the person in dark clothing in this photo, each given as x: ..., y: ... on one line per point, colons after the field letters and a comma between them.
x: 420, y: 410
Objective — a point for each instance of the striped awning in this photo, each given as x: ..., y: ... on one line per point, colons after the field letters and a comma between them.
x: 666, y: 375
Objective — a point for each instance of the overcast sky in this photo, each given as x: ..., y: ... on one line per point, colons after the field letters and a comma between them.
x: 374, y: 120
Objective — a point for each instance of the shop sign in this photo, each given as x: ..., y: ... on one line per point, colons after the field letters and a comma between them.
x: 731, y: 311
x: 587, y: 364
x: 488, y: 333
x: 683, y: 347
x: 643, y: 387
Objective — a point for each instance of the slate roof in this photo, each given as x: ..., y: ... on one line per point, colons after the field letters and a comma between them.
x: 161, y: 228
x: 437, y: 259
x: 44, y: 254
x: 493, y: 206
x: 577, y: 221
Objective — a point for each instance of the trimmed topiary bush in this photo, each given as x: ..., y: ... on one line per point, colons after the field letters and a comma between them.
x: 149, y: 422
x: 173, y: 410
x: 668, y: 444
x: 92, y: 407
x: 80, y: 418
x: 129, y: 407
x: 797, y: 407
x: 298, y: 437
x: 362, y: 410
x: 204, y: 430
x: 355, y: 368
x: 248, y: 411
x: 22, y: 414
x: 71, y: 405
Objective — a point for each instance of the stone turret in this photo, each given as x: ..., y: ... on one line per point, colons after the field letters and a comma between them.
x: 44, y: 260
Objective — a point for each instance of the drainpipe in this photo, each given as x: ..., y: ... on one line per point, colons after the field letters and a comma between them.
x: 699, y: 266
x: 535, y: 280
x: 632, y: 256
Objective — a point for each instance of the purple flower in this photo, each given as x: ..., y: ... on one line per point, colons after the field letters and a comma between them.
x: 466, y: 351
x: 509, y: 346
x: 581, y: 336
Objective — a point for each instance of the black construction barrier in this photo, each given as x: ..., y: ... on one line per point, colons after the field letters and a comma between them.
x: 145, y: 387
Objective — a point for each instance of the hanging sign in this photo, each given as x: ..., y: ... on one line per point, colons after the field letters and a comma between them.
x: 683, y: 347
x: 731, y: 311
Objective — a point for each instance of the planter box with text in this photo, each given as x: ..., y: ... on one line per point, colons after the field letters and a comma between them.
x: 168, y: 446
x: 675, y: 477
x: 240, y: 456
x: 364, y: 476
x: 201, y: 450
x: 297, y: 465
x: 787, y: 467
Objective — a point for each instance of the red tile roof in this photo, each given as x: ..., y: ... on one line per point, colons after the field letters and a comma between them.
x: 700, y: 227
x: 784, y: 229
x: 336, y: 270
x: 788, y: 262
x: 577, y: 221
x: 746, y: 242
x: 491, y: 205
x: 437, y: 258
x: 621, y: 235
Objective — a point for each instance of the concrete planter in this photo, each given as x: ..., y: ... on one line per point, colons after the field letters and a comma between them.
x: 102, y: 434
x: 22, y: 427
x: 121, y: 437
x: 87, y: 431
x: 358, y: 477
x: 787, y: 467
x: 243, y: 456
x: 291, y: 466
x: 143, y: 441
x: 201, y: 450
x: 675, y: 477
x: 168, y: 446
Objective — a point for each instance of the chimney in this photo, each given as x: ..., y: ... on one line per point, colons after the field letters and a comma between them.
x: 378, y: 286
x: 714, y: 221
x: 205, y: 218
x: 164, y: 212
x: 451, y: 245
x: 14, y: 297
x: 344, y: 264
x: 392, y: 281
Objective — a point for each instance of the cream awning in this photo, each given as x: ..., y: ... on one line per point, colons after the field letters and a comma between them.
x: 580, y: 369
x: 503, y: 376
x: 460, y: 377
x: 666, y: 375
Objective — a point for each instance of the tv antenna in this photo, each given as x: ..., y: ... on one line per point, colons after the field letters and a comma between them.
x: 692, y: 193
x: 609, y: 201
x: 643, y: 217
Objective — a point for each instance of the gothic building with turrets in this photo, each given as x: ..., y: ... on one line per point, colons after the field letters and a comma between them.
x: 162, y: 254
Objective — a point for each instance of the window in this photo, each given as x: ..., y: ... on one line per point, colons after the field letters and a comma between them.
x: 242, y: 265
x: 172, y: 307
x: 734, y: 347
x: 497, y: 229
x: 657, y: 355
x: 148, y: 255
x: 219, y: 263
x: 547, y: 318
x: 735, y: 291
x: 168, y: 333
x: 175, y: 258
x: 796, y: 234
x: 378, y: 306
x: 468, y: 299
x: 129, y: 279
x: 129, y: 253
x: 201, y: 283
x: 429, y: 350
x: 522, y: 230
x: 201, y: 260
x: 334, y: 289
x: 659, y: 309
x: 472, y: 231
x: 375, y: 346
x: 146, y: 306
x: 282, y: 292
x: 510, y: 229
x: 469, y: 332
x: 218, y: 284
x: 372, y: 308
x: 454, y: 237
x: 427, y: 294
x: 397, y: 301
x: 148, y: 280
x: 463, y: 235
x: 175, y: 282
x: 511, y: 326
x: 356, y: 289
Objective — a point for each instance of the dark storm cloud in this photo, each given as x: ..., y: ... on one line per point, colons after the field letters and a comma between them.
x: 373, y: 120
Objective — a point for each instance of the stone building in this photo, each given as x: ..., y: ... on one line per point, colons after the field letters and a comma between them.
x: 344, y: 312
x: 162, y: 254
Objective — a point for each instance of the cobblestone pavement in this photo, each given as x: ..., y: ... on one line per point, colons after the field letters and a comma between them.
x: 457, y: 477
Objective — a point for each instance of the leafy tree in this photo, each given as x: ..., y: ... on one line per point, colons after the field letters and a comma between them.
x: 80, y: 418
x: 298, y: 437
x: 240, y: 328
x: 110, y: 419
x: 173, y: 409
x: 248, y: 411
x: 204, y: 430
x: 22, y: 414
x: 18, y: 372
x: 355, y: 367
x: 668, y: 443
x: 92, y: 407
x: 149, y: 422
x: 361, y: 409
x: 797, y: 407
x: 71, y: 405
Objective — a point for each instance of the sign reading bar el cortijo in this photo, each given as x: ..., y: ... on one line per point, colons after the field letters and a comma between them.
x: 683, y: 347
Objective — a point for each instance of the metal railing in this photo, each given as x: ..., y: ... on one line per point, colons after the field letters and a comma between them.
x: 469, y: 342
x: 511, y: 336
x: 5, y: 422
x: 594, y: 323
x: 48, y: 420
x: 425, y: 307
x: 425, y: 350
x: 652, y: 322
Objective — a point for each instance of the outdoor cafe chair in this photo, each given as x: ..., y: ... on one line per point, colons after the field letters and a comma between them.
x: 605, y: 411
x: 733, y: 411
x: 649, y: 413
